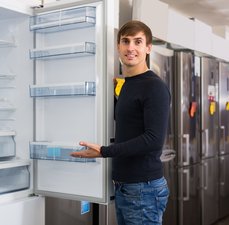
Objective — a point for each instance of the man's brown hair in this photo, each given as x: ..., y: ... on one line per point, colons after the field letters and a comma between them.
x: 133, y: 27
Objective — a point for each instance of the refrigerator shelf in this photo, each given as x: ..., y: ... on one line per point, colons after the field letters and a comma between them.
x: 80, y: 88
x: 58, y: 152
x: 5, y: 105
x: 63, y: 20
x: 63, y: 51
x: 5, y: 133
x: 5, y: 43
x: 7, y: 76
x: 14, y: 176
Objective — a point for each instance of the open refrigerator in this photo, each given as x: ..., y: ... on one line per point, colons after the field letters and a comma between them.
x: 56, y: 89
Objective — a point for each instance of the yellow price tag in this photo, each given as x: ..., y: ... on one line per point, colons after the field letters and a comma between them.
x: 227, y: 106
x: 120, y: 82
x: 212, y: 108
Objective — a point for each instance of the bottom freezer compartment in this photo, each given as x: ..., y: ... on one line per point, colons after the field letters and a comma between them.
x: 14, y: 179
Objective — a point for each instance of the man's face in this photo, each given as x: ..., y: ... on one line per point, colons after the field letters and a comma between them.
x: 133, y: 49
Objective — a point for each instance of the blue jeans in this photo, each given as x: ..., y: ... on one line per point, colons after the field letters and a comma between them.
x: 141, y: 203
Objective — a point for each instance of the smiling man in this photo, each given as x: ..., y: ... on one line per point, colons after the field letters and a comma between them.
x: 141, y: 115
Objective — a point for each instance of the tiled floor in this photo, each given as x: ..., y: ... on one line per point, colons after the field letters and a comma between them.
x: 223, y: 222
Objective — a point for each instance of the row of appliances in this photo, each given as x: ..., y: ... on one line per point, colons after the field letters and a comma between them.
x: 198, y: 131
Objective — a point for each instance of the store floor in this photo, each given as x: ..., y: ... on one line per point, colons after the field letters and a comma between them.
x: 223, y: 222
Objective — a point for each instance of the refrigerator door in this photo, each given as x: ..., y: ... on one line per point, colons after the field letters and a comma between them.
x: 187, y: 110
x: 209, y: 180
x: 209, y: 106
x: 224, y: 107
x: 189, y: 195
x: 70, y: 98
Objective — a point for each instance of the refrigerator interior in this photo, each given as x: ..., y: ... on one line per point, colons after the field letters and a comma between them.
x: 16, y: 115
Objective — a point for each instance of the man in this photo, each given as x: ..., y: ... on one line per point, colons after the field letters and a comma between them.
x: 141, y: 115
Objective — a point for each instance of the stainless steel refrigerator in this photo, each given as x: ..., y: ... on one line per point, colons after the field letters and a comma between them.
x: 187, y: 137
x: 177, y: 69
x: 209, y: 69
x: 223, y: 139
x: 161, y: 64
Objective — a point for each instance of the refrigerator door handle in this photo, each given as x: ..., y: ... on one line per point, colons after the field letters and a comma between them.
x: 186, y: 137
x: 222, y: 140
x: 205, y: 176
x: 186, y: 172
x: 222, y: 175
x: 205, y: 152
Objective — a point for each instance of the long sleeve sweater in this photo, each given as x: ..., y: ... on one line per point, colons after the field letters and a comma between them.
x: 141, y: 115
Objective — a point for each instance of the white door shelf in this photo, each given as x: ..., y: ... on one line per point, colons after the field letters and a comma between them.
x: 14, y: 176
x: 7, y: 144
x: 80, y: 88
x: 63, y: 19
x: 55, y: 151
x: 63, y: 51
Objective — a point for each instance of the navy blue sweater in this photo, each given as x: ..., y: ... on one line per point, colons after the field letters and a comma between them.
x: 141, y: 115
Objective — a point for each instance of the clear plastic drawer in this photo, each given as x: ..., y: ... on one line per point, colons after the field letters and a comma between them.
x: 63, y: 51
x: 54, y: 151
x: 7, y: 145
x: 63, y: 19
x: 80, y: 88
x: 14, y: 179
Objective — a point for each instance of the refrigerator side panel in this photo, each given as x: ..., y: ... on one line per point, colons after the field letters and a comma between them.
x: 27, y: 211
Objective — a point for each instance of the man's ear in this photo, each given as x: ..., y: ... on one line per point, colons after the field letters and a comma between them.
x: 149, y: 48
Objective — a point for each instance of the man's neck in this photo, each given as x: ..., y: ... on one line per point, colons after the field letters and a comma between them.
x: 133, y: 71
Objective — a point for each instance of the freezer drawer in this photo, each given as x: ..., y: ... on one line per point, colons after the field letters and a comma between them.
x: 210, y: 197
x: 13, y: 177
x: 189, y: 195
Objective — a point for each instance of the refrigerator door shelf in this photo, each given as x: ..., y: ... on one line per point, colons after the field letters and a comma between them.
x: 63, y: 19
x: 76, y: 50
x: 80, y: 88
x: 55, y: 151
x: 8, y: 145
